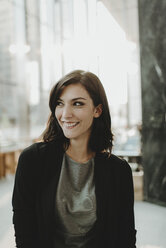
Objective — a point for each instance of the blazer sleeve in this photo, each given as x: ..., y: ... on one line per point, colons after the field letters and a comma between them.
x: 23, y: 201
x: 127, y: 226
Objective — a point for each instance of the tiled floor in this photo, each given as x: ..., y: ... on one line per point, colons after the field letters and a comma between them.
x: 150, y: 220
x: 151, y: 225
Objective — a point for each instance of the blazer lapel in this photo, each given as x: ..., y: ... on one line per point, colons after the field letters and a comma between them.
x: 106, y: 198
x: 51, y: 164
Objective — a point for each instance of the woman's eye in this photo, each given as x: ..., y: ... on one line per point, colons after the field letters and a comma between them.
x: 78, y: 103
x: 59, y: 104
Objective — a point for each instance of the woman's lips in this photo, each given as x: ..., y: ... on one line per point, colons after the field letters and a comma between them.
x: 70, y: 124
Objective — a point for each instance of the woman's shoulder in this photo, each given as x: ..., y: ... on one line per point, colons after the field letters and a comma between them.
x: 33, y: 149
x: 34, y: 156
x: 121, y: 167
x: 38, y: 148
x: 117, y: 159
x: 117, y: 163
x: 29, y: 156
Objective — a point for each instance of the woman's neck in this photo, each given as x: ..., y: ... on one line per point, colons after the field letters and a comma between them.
x: 79, y: 151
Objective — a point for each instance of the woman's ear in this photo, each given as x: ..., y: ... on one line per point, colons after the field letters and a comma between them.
x: 98, y: 111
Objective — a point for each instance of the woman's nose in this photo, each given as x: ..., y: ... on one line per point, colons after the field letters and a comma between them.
x: 67, y: 112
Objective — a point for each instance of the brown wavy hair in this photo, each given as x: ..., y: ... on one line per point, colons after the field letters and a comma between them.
x: 101, y: 137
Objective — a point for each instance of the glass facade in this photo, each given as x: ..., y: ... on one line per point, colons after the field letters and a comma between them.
x: 42, y: 40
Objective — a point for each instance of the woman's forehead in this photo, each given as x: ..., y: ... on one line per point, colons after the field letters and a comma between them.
x: 74, y: 91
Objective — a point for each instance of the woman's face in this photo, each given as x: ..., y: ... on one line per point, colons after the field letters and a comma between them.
x: 75, y: 112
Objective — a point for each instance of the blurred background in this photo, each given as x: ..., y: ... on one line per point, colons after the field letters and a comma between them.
x: 123, y: 43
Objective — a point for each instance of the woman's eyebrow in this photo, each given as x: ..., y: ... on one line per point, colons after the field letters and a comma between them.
x: 74, y: 99
x: 78, y: 98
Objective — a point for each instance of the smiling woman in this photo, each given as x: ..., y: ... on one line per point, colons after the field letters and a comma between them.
x: 85, y: 95
x: 80, y: 194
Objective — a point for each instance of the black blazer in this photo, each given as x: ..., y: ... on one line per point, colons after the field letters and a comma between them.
x: 34, y: 192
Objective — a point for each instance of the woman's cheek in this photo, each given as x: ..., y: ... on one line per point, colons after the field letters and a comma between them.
x: 57, y: 113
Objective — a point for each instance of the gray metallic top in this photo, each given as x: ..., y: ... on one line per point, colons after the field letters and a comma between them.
x: 75, y: 208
